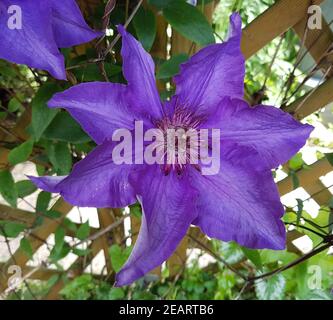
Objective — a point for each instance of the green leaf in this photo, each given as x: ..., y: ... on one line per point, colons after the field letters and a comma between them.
x: 38, y: 221
x: 204, y: 2
x: 116, y: 294
x: 299, y: 210
x: 274, y: 256
x: 25, y: 188
x: 69, y: 224
x: 14, y: 105
x: 8, y: 188
x: 189, y: 22
x: 272, y: 288
x: 13, y: 229
x: 160, y: 4
x: 296, y: 162
x: 7, y: 70
x: 59, y: 253
x: 140, y: 295
x: 294, y: 179
x: 52, y: 214
x: 135, y: 210
x: 253, y: 256
x: 21, y: 153
x: 80, y: 288
x: 81, y: 252
x: 59, y: 238
x: 83, y: 232
x: 330, y: 218
x: 53, y: 280
x: 40, y: 170
x: 65, y: 128
x: 3, y: 115
x: 60, y: 249
x: 119, y: 256
x: 171, y: 67
x: 60, y: 157
x: 25, y: 246
x: 41, y: 114
x: 318, y: 294
x: 145, y: 27
x: 91, y: 72
x: 231, y: 252
x: 43, y: 201
x: 329, y: 157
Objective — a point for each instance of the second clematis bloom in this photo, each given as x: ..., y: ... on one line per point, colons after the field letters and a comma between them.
x: 240, y: 202
x: 32, y: 31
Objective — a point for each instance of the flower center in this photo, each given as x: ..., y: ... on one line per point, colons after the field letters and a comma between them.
x: 180, y: 140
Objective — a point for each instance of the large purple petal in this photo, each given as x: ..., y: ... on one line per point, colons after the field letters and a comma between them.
x: 69, y: 26
x: 96, y: 181
x: 261, y: 136
x: 215, y: 71
x: 33, y: 44
x: 240, y: 204
x: 168, y: 205
x: 99, y: 107
x: 138, y: 69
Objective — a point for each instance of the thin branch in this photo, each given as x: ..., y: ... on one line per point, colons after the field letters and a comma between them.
x: 293, y: 263
x: 313, y: 90
x: 322, y: 235
x: 128, y: 21
x: 14, y: 260
x: 272, y: 61
x: 217, y: 257
x: 105, y: 230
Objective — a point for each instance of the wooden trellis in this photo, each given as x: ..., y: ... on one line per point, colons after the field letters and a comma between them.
x: 276, y: 20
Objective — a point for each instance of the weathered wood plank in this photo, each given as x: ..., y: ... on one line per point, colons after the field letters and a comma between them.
x: 306, y: 176
x: 317, y: 41
x: 312, y: 102
x: 105, y: 219
x: 42, y: 232
x: 17, y: 215
x: 277, y: 19
x: 318, y: 192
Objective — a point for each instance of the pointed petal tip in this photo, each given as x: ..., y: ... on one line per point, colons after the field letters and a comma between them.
x: 99, y: 33
x: 120, y: 283
x: 51, y: 103
x: 35, y: 180
x: 62, y: 77
x: 121, y: 29
x: 91, y: 35
x: 276, y: 243
x: 47, y: 183
x: 54, y: 101
x: 56, y: 66
x: 280, y: 244
x: 279, y: 241
x: 235, y: 17
x: 58, y: 72
x: 127, y: 276
x: 309, y: 128
x: 235, y: 28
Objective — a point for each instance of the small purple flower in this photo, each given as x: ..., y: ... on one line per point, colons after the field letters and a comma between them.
x: 32, y: 31
x: 240, y: 203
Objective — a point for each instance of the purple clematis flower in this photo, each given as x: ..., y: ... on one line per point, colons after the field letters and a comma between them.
x: 239, y: 203
x: 32, y: 31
